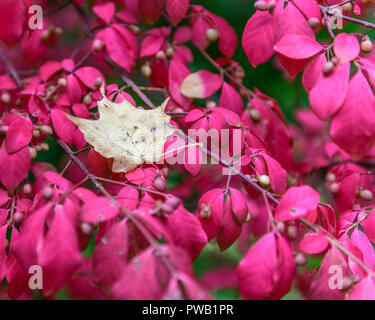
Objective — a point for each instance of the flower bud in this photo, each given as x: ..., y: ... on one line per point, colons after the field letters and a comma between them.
x: 87, y: 100
x: 291, y: 232
x: 334, y: 187
x: 347, y: 7
x: 36, y: 133
x: 347, y: 283
x: 98, y: 82
x: 280, y: 227
x: 261, y: 5
x: 212, y: 34
x: 366, y: 46
x: 205, y: 212
x: 314, y: 22
x: 160, y: 183
x: 5, y: 98
x: 27, y: 189
x: 165, y: 172
x: 248, y: 217
x: 3, y: 129
x: 18, y: 217
x: 135, y: 29
x: 174, y: 202
x: 328, y: 67
x: 330, y: 177
x: 160, y: 55
x: 44, y: 146
x: 62, y: 82
x: 170, y: 52
x: 366, y: 194
x: 255, y: 114
x: 47, y: 130
x: 210, y: 104
x: 98, y: 45
x: 146, y: 70
x: 33, y: 153
x: 264, y: 180
x: 86, y: 228
x: 47, y: 192
x: 300, y: 259
x: 166, y: 209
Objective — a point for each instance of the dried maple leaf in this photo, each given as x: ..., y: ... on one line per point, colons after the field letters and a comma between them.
x: 127, y: 134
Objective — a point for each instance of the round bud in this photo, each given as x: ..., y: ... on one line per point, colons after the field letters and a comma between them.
x: 18, y: 217
x: 86, y: 228
x: 280, y: 227
x: 334, y: 187
x: 366, y: 46
x: 314, y: 22
x: 264, y: 180
x: 205, y: 212
x: 271, y: 5
x: 62, y: 82
x: 146, y: 70
x: 330, y: 177
x: 347, y: 7
x: 33, y: 153
x: 98, y: 45
x: 328, y: 67
x: 323, y: 22
x: 174, y: 202
x: 47, y: 130
x: 135, y: 29
x: 212, y: 34
x: 98, y: 82
x: 47, y: 192
x: 160, y: 55
x: 87, y: 100
x: 300, y: 259
x: 210, y: 104
x: 165, y: 172
x: 36, y: 133
x: 292, y: 181
x: 248, y: 217
x: 45, y: 35
x: 255, y: 115
x: 166, y: 208
x: 335, y: 61
x: 5, y: 98
x: 170, y: 52
x: 261, y: 5
x: 27, y: 189
x: 291, y: 232
x: 366, y: 194
x: 44, y: 146
x: 3, y: 130
x: 160, y: 183
x: 58, y: 31
x: 239, y: 73
x: 347, y: 283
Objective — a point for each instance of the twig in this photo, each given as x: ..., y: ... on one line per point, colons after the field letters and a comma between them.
x: 9, y: 66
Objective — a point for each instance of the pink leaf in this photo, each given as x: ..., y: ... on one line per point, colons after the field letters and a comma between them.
x: 19, y: 134
x: 88, y: 75
x: 177, y: 9
x: 353, y: 127
x: 364, y: 290
x: 267, y: 270
x: 298, y: 47
x: 59, y: 256
x: 231, y: 99
x: 259, y: 33
x: 12, y: 20
x: 151, y: 45
x: 110, y: 255
x: 105, y: 11
x: 314, y: 243
x: 346, y: 47
x: 201, y: 84
x: 14, y: 167
x: 99, y: 210
x: 297, y: 202
x: 151, y: 9
x: 63, y: 127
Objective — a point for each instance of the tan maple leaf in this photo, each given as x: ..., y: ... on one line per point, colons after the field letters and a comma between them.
x: 127, y: 134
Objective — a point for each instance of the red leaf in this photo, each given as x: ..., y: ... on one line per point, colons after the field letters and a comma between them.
x: 298, y: 47
x: 63, y: 127
x: 297, y: 202
x: 353, y: 127
x: 151, y: 9
x: 110, y: 255
x: 12, y: 20
x: 314, y: 243
x: 259, y: 33
x: 59, y: 256
x: 201, y: 84
x: 14, y: 167
x: 177, y: 9
x: 267, y: 270
x: 99, y: 210
x: 105, y: 11
x: 231, y: 99
x: 88, y: 75
x: 346, y: 47
x: 20, y: 133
